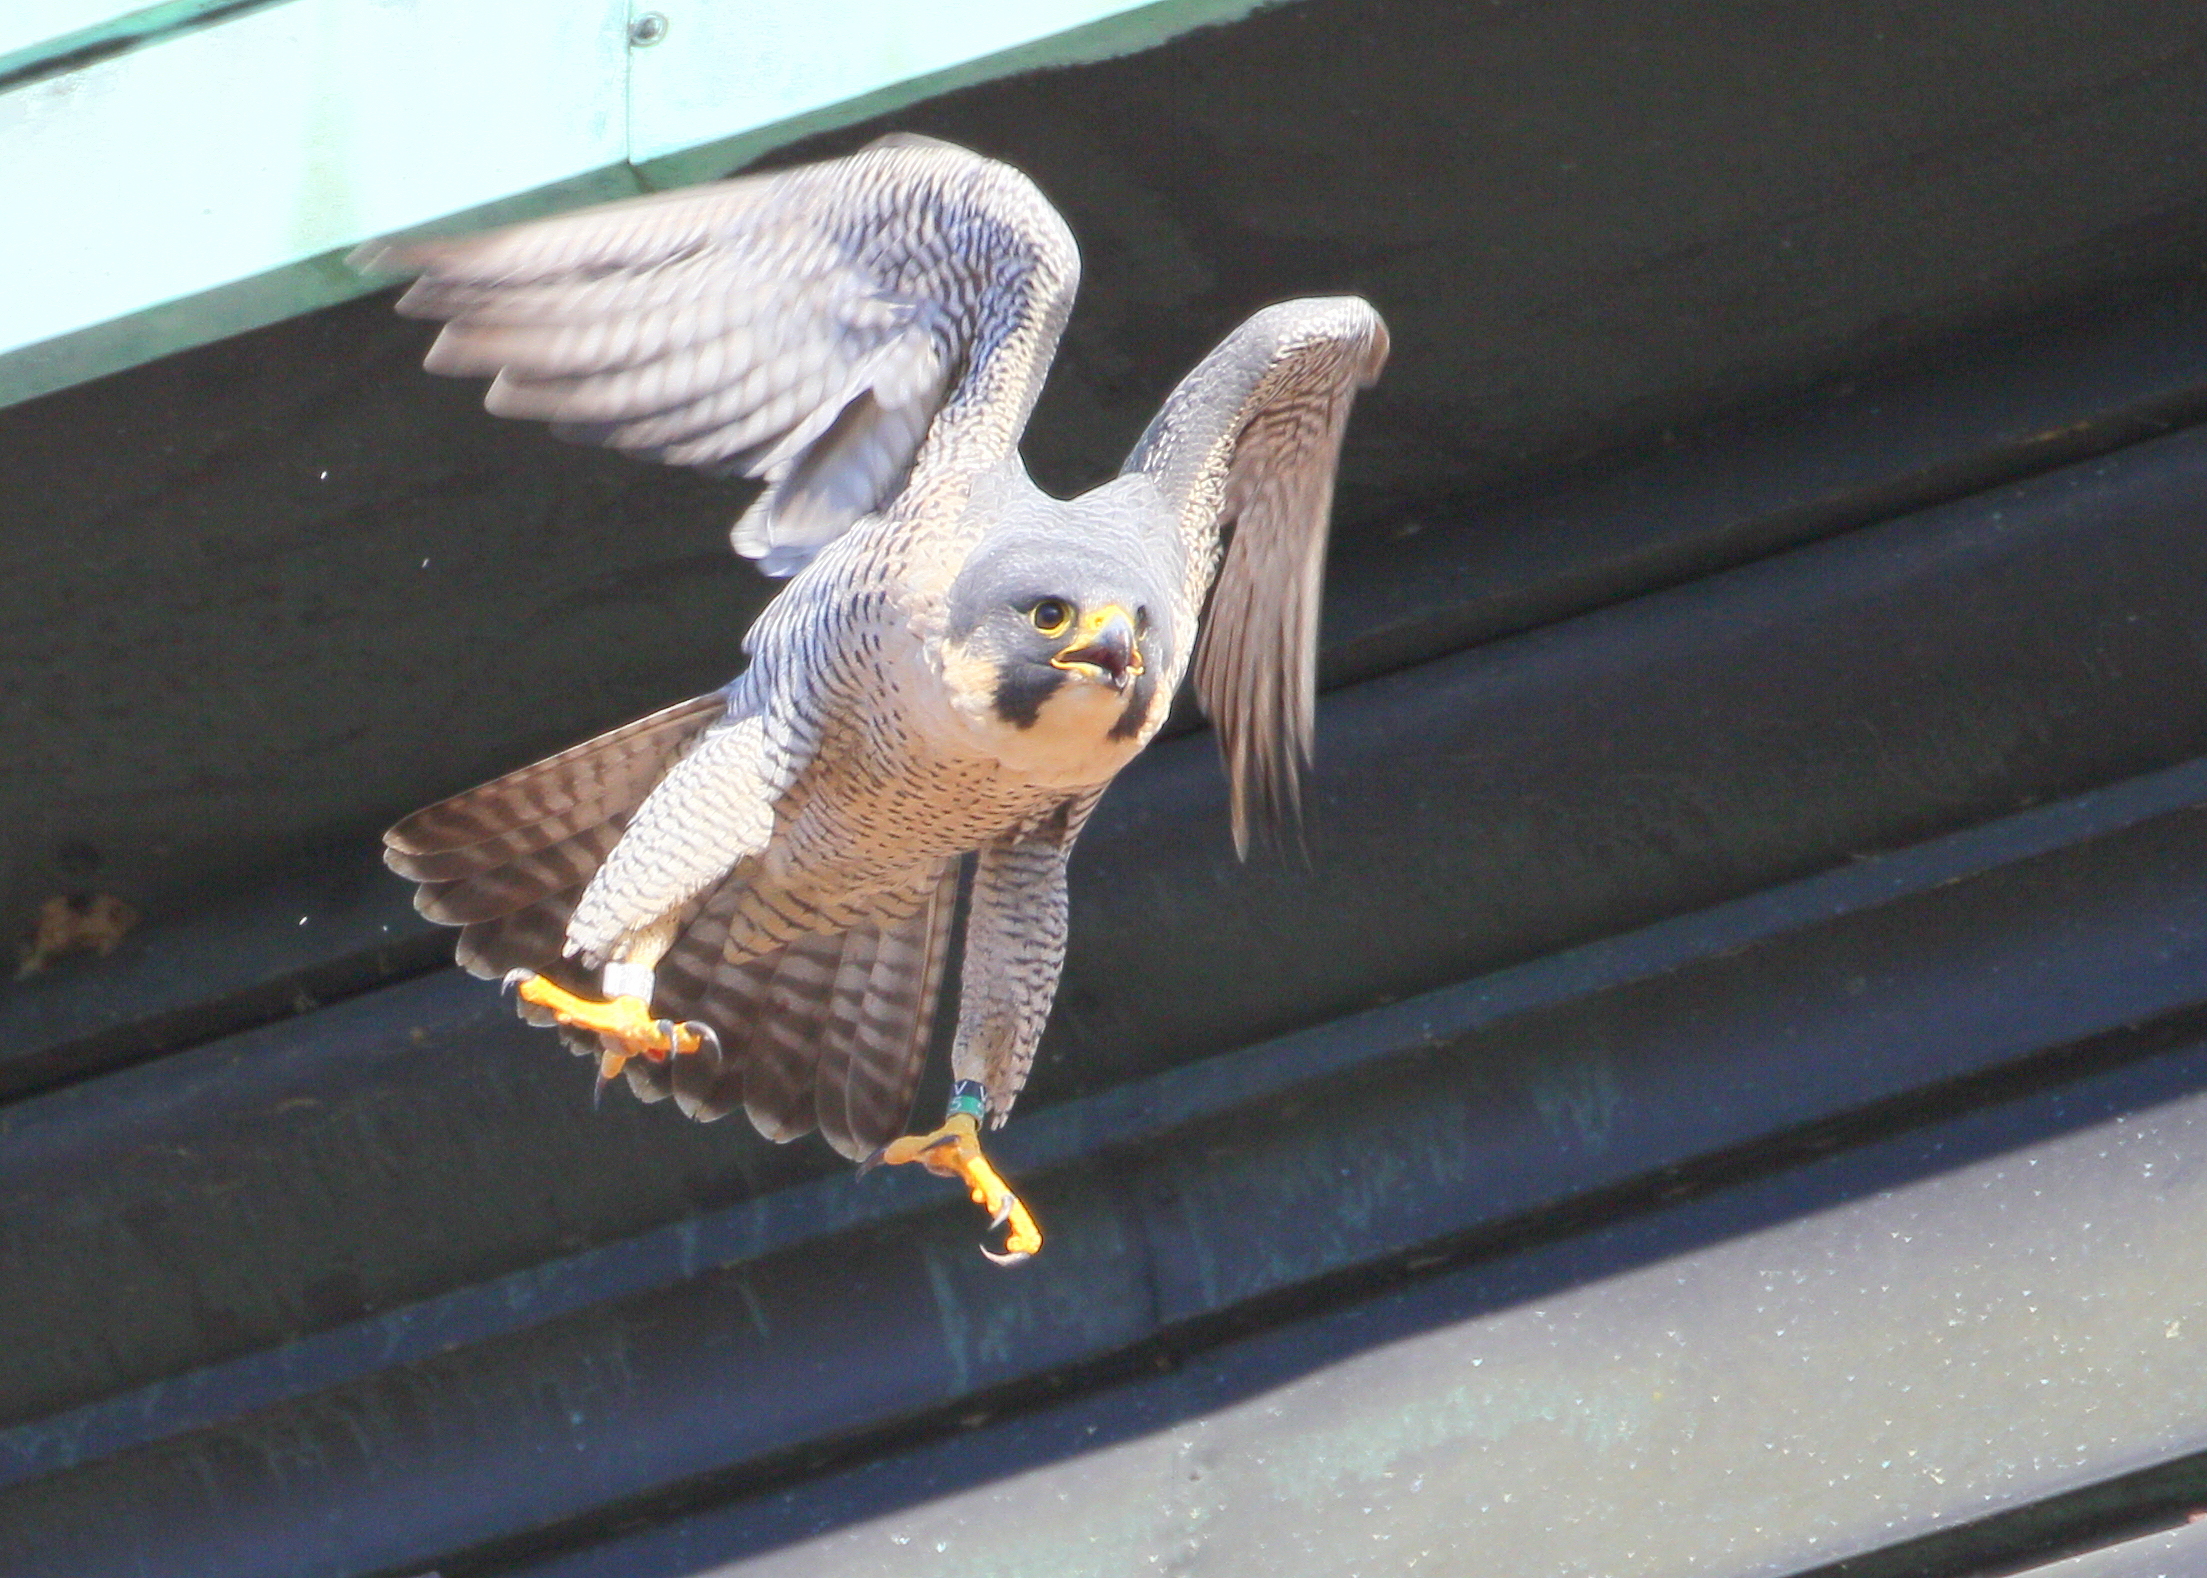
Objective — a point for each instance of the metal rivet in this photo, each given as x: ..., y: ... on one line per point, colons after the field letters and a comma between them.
x: 646, y: 29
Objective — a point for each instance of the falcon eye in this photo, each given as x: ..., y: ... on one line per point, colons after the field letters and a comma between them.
x: 1052, y: 616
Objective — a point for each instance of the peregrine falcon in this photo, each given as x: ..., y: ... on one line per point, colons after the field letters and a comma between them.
x: 746, y: 899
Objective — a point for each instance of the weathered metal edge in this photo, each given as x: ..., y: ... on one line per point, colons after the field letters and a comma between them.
x: 118, y: 35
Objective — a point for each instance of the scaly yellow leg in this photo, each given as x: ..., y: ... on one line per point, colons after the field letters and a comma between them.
x: 627, y: 1021
x: 954, y: 1151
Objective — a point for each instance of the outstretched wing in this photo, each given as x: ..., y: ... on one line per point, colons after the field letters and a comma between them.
x: 1249, y: 442
x: 807, y: 327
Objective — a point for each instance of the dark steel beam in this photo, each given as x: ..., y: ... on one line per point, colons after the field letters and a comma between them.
x: 720, y: 1341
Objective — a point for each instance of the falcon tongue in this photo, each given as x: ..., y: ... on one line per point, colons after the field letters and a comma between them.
x: 1105, y: 647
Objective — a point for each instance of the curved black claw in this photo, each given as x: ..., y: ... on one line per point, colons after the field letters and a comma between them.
x: 1014, y: 1257
x: 954, y: 1152
x: 696, y: 1029
x: 1010, y: 1258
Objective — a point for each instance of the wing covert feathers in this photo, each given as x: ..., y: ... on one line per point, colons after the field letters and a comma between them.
x: 1250, y: 441
x: 804, y: 327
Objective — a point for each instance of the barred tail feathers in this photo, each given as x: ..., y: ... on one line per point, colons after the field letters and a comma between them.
x: 828, y: 1030
x: 823, y: 1028
x: 508, y: 860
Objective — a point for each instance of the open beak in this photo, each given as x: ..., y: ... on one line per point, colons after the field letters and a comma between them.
x: 1103, y: 648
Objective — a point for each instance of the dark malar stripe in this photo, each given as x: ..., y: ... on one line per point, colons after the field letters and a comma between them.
x: 1137, y: 709
x: 1021, y: 691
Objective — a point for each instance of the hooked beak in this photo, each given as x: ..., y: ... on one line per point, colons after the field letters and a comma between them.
x: 1103, y: 648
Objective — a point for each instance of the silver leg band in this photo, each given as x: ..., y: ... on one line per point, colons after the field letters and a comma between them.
x: 627, y: 980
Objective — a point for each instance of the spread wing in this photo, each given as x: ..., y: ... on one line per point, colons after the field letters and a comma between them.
x: 1249, y: 442
x: 807, y: 327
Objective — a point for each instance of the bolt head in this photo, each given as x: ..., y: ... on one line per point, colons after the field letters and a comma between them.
x: 646, y: 28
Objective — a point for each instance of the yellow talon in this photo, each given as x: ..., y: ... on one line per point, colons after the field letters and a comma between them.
x: 627, y: 1021
x: 954, y: 1151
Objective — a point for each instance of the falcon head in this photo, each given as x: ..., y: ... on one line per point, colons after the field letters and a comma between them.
x: 1057, y: 639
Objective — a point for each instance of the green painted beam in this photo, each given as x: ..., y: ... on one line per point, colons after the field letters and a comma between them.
x: 211, y: 180
x: 175, y: 173
x: 67, y: 35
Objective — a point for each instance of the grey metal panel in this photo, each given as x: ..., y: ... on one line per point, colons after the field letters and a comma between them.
x: 730, y: 1342
x: 1974, y: 415
x: 1795, y: 1370
x: 2179, y: 1553
x: 1474, y: 812
x: 322, y: 931
x: 299, y: 1177
x: 267, y: 1237
x: 1656, y: 756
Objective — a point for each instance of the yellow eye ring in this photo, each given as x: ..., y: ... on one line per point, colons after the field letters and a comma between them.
x: 1053, y: 616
